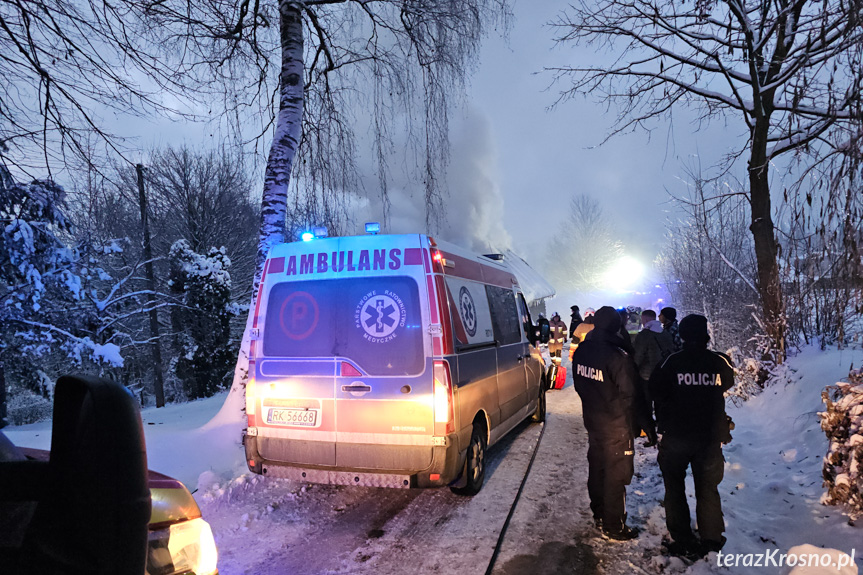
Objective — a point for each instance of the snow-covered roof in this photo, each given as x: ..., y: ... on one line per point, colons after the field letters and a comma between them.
x: 534, y: 286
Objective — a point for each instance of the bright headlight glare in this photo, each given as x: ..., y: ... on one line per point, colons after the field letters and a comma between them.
x: 624, y: 273
x: 191, y: 547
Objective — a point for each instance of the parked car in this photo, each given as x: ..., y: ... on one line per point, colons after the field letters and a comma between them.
x: 89, y: 505
x: 387, y: 360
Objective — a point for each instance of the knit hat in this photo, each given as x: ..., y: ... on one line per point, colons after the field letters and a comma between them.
x: 693, y: 328
x: 668, y: 313
x: 573, y: 307
x: 607, y: 318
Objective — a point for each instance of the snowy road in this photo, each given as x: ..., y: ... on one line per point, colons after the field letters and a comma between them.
x: 266, y: 526
x: 307, y: 528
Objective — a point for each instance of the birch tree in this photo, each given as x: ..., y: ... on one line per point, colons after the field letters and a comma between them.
x: 312, y: 72
x: 788, y: 71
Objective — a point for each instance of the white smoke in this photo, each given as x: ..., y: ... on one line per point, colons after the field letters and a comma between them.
x: 473, y: 203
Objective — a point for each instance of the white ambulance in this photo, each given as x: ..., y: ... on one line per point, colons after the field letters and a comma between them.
x: 387, y: 360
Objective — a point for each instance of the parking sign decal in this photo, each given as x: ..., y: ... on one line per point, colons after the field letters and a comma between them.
x: 299, y: 315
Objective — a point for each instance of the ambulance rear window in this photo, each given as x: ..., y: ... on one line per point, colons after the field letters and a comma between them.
x: 373, y: 321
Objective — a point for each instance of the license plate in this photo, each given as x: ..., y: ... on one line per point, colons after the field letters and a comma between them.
x: 288, y: 416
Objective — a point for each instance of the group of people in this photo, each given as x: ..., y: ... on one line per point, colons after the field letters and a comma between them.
x: 667, y: 372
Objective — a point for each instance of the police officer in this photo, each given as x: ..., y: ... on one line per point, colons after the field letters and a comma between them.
x: 605, y: 379
x: 687, y: 390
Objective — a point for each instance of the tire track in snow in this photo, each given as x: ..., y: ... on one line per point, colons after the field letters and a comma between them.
x: 443, y: 532
x: 266, y: 526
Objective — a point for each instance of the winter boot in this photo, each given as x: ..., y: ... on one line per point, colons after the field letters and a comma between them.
x: 626, y: 533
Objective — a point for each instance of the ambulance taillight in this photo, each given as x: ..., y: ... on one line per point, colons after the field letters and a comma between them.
x: 251, y: 395
x: 444, y: 417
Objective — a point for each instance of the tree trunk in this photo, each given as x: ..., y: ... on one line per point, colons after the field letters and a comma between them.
x: 155, y: 346
x: 276, y: 179
x: 769, y: 285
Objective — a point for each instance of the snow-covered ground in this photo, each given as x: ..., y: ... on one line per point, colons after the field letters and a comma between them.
x: 771, y: 494
x: 772, y: 486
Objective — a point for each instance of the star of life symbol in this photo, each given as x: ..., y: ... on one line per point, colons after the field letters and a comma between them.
x: 468, y: 311
x: 380, y: 316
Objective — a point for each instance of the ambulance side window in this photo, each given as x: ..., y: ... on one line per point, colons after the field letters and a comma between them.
x: 504, y: 315
x: 529, y: 329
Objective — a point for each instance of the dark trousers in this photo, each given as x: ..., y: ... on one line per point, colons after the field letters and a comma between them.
x: 708, y: 467
x: 644, y: 408
x: 610, y: 469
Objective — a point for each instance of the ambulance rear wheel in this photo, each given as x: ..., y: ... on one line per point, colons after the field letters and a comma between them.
x: 475, y: 464
x: 539, y: 413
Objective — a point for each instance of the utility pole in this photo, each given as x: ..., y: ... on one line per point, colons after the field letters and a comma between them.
x: 158, y: 384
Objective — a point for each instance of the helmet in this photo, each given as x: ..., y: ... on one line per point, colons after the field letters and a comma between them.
x: 589, y: 311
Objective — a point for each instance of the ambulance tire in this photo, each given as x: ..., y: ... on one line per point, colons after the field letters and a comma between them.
x: 539, y: 414
x: 475, y: 465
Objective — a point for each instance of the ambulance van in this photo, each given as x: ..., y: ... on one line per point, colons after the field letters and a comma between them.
x: 387, y: 360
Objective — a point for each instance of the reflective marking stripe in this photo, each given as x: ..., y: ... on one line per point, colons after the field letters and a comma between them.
x: 724, y: 359
x: 260, y: 291
x: 437, y: 344
x: 303, y: 434
x: 347, y: 437
x: 669, y: 357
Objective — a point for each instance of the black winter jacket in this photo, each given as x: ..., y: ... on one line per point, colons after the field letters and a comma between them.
x: 605, y: 379
x: 626, y: 341
x: 687, y: 391
x: 576, y: 319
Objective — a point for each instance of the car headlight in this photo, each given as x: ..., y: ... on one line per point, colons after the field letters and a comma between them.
x: 184, y: 547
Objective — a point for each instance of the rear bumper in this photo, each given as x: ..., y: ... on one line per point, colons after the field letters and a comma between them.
x: 446, y: 464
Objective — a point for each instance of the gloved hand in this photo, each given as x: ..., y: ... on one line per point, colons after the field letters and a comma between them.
x: 726, y: 431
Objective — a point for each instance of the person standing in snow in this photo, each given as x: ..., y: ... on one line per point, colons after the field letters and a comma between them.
x: 543, y: 330
x: 624, y: 333
x: 581, y: 331
x: 668, y: 319
x: 557, y: 336
x: 652, y: 345
x: 687, y: 389
x: 605, y: 378
x: 584, y: 328
x: 575, y: 320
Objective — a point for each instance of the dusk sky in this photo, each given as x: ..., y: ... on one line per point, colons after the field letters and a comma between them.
x: 516, y: 162
x: 543, y: 157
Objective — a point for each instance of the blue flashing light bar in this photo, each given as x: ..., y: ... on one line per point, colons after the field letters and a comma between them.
x: 320, y: 232
x: 307, y: 236
x: 373, y: 228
